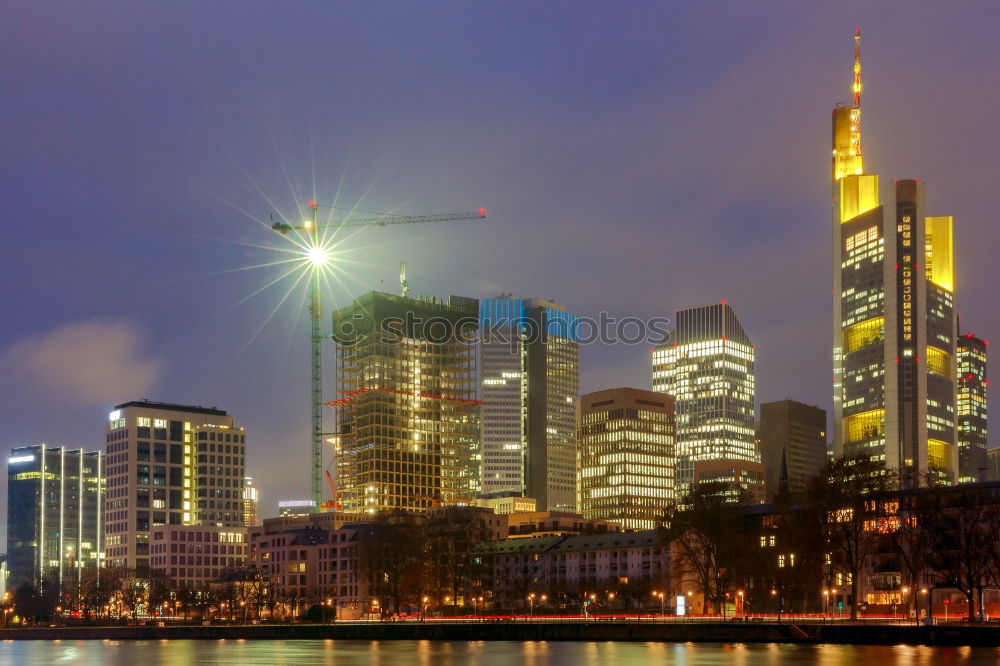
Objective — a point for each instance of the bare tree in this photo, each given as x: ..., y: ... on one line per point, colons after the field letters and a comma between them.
x: 705, y: 543
x: 132, y: 592
x: 851, y: 494
x: 962, y: 528
x: 394, y: 551
x: 909, y: 542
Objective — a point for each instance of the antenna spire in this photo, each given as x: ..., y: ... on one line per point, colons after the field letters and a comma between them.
x: 856, y: 102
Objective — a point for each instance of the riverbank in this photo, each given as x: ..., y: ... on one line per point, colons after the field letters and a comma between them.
x: 721, y: 632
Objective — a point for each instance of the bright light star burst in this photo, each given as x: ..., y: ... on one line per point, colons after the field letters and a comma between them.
x: 318, y: 255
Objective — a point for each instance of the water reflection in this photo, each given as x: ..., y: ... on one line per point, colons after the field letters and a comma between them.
x: 480, y: 653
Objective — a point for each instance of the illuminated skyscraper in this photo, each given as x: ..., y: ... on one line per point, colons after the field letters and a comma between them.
x: 408, y: 431
x: 55, y: 516
x: 894, y: 326
x: 251, y: 504
x: 626, y: 452
x: 971, y: 408
x: 708, y: 366
x: 530, y: 365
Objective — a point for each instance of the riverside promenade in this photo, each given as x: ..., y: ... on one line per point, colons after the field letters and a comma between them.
x: 547, y: 630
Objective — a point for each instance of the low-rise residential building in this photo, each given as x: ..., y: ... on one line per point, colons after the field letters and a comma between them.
x: 508, y: 504
x: 543, y: 523
x: 611, y: 571
x: 194, y: 557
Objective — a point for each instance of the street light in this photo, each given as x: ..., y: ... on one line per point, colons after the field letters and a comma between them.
x: 663, y: 602
x: 426, y: 599
x: 531, y: 605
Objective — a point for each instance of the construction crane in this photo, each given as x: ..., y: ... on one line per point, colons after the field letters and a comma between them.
x: 317, y: 254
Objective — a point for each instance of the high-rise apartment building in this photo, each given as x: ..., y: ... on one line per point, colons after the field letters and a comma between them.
x: 971, y: 408
x: 894, y: 319
x: 55, y: 516
x: 169, y: 464
x: 626, y: 456
x: 408, y: 431
x: 529, y: 355
x: 708, y: 366
x: 792, y: 434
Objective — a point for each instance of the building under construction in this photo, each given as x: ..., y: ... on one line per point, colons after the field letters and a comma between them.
x: 407, y: 421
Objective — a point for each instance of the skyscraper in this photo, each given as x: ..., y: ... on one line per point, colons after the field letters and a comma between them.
x: 55, y: 522
x: 708, y: 366
x: 251, y: 503
x: 169, y: 464
x: 530, y: 365
x: 408, y: 431
x: 792, y: 434
x: 894, y: 324
x: 626, y: 454
x: 971, y: 407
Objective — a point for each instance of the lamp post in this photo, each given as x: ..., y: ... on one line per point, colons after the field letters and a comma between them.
x: 375, y: 608
x: 611, y: 602
x: 243, y: 605
x: 531, y: 605
x: 739, y: 602
x: 923, y: 590
x: 424, y: 608
x: 663, y: 602
x: 826, y: 602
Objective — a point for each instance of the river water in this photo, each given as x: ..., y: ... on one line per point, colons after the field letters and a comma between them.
x: 480, y: 653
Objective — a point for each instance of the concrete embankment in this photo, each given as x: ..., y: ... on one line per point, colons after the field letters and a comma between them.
x: 722, y: 632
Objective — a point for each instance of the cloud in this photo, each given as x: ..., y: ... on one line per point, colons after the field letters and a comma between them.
x: 92, y: 362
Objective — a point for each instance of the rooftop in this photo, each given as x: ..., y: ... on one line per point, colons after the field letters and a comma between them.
x: 172, y: 407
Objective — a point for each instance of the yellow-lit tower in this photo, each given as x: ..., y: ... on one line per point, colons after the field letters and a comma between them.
x: 894, y: 325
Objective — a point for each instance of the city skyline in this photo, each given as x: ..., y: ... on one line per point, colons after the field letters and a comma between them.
x: 127, y: 268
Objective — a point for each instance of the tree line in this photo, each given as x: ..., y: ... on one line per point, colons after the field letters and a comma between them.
x: 857, y: 519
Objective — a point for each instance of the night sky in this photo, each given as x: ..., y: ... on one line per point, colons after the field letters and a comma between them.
x: 634, y: 159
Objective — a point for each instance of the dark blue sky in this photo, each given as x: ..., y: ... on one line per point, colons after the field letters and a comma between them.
x: 634, y: 158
